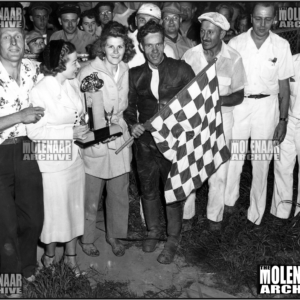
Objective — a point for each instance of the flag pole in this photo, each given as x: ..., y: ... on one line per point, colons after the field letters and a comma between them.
x: 147, y: 125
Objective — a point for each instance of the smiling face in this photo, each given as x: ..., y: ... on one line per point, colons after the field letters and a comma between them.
x: 114, y: 50
x: 105, y: 14
x: 153, y: 47
x: 36, y: 46
x: 12, y: 44
x: 211, y: 35
x: 69, y: 22
x: 89, y: 25
x: 171, y: 23
x: 262, y: 20
x: 72, y: 66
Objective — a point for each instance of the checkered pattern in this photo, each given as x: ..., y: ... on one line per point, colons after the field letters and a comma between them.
x: 189, y: 132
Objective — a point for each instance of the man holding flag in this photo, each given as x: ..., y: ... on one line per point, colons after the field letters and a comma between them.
x: 232, y: 78
x: 151, y: 86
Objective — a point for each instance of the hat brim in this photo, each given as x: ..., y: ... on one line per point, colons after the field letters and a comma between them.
x: 211, y: 21
x: 48, y: 9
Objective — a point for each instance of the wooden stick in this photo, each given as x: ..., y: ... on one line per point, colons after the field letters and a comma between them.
x: 124, y: 145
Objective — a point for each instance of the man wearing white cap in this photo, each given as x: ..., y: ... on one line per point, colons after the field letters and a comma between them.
x: 146, y: 12
x: 232, y: 79
x: 268, y: 63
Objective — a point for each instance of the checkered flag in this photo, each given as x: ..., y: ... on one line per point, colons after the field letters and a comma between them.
x: 189, y: 132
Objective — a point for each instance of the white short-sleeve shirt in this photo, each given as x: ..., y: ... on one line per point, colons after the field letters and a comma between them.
x: 14, y: 98
x: 266, y: 65
x: 230, y: 70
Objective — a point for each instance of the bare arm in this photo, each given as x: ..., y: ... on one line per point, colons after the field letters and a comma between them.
x: 284, y: 97
x: 26, y: 116
x: 233, y: 99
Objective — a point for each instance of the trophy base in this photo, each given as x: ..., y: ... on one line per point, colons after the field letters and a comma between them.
x: 99, y: 135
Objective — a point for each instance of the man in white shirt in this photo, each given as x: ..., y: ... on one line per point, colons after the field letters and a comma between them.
x: 146, y: 12
x: 232, y: 79
x: 122, y: 13
x: 262, y: 116
x: 289, y: 150
x: 21, y: 189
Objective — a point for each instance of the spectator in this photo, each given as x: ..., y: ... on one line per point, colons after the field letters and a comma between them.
x: 237, y: 11
x: 243, y: 23
x: 172, y: 18
x: 188, y: 27
x: 227, y: 11
x: 131, y: 22
x: 104, y: 14
x: 147, y: 12
x: 35, y: 42
x: 39, y: 14
x: 122, y: 13
x: 88, y: 22
x: 68, y: 17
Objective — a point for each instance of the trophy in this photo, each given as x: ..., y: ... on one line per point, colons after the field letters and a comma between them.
x: 90, y: 84
x: 108, y: 116
x: 98, y: 133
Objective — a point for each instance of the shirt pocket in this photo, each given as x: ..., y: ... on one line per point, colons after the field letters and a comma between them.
x: 269, y: 70
x: 224, y: 85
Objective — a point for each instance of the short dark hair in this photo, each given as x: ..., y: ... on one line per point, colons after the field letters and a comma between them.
x: 265, y: 4
x: 113, y: 29
x: 90, y: 13
x: 55, y: 57
x: 150, y: 27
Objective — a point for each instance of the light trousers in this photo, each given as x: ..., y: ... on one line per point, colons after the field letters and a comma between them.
x: 255, y: 119
x: 217, y: 181
x: 284, y: 168
x: 117, y: 206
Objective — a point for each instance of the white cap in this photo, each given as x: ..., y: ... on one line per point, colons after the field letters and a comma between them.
x: 215, y: 18
x: 150, y: 9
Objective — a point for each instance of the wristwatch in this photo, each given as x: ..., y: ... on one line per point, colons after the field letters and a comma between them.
x: 283, y: 119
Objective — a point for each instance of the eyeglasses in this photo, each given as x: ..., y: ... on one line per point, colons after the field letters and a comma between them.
x: 106, y: 12
x: 169, y: 18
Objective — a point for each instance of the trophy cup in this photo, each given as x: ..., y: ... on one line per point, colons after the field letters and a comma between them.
x: 90, y: 84
x: 93, y: 84
x: 108, y: 116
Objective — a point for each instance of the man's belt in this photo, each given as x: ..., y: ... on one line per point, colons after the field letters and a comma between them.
x: 15, y: 140
x: 259, y: 96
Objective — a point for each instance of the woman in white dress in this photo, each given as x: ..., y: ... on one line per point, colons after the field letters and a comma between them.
x: 63, y: 175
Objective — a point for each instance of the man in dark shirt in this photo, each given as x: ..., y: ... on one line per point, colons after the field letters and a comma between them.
x: 151, y: 86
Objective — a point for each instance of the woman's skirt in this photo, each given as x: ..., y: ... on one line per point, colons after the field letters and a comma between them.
x: 64, y: 203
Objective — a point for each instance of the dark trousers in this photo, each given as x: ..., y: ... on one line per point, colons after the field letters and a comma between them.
x: 21, y: 210
x: 151, y: 166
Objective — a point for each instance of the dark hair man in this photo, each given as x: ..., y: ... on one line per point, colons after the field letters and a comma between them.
x: 39, y: 15
x: 104, y: 12
x: 88, y: 22
x: 68, y: 17
x: 269, y: 65
x: 151, y: 86
x: 188, y: 27
x: 21, y: 190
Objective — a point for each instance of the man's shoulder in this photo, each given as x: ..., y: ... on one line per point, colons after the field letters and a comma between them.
x: 278, y: 41
x: 85, y: 36
x: 135, y: 71
x: 190, y: 53
x: 57, y: 35
x: 234, y: 54
x: 239, y: 39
